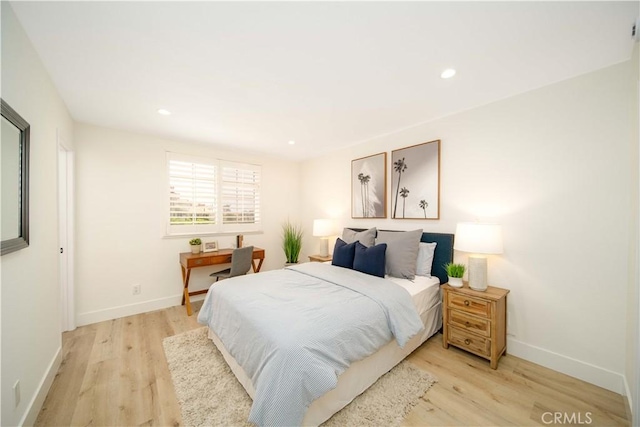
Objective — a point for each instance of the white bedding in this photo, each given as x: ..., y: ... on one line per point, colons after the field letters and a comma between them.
x: 425, y: 295
x: 294, y: 331
x: 424, y: 291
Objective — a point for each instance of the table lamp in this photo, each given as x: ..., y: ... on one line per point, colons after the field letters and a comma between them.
x: 323, y: 228
x: 478, y: 239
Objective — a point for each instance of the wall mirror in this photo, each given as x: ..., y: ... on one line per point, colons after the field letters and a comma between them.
x: 14, y: 184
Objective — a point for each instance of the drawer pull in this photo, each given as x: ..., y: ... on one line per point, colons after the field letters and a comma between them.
x: 199, y: 261
x: 466, y: 302
x: 467, y: 341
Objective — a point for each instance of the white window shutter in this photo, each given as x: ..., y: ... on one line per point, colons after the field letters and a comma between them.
x: 212, y: 196
x: 240, y: 196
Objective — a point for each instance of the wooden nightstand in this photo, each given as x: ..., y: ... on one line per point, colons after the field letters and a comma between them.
x: 320, y: 258
x: 475, y: 321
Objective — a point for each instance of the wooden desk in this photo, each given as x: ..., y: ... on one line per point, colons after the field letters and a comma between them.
x: 206, y: 259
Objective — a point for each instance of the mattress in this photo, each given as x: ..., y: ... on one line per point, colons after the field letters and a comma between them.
x: 424, y: 291
x: 425, y: 294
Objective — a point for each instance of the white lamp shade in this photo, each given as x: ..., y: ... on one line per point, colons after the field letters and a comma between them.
x: 323, y: 227
x: 478, y: 238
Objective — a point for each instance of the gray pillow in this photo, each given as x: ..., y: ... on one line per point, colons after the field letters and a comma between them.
x: 402, y: 252
x: 367, y: 237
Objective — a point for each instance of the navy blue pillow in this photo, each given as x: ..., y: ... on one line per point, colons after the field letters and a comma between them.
x: 343, y: 254
x: 370, y: 260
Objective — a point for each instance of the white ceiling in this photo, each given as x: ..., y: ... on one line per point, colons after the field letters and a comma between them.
x: 325, y: 74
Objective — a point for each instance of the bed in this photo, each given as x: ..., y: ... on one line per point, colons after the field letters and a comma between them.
x: 275, y: 311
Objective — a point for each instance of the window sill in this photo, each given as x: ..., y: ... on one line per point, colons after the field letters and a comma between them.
x: 226, y: 233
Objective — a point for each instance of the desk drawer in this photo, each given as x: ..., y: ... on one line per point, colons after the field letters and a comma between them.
x: 475, y: 324
x: 199, y: 262
x: 471, y: 305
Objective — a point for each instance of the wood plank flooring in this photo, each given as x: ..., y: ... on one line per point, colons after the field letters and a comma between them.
x: 115, y: 373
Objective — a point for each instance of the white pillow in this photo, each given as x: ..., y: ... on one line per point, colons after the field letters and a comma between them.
x: 425, y: 259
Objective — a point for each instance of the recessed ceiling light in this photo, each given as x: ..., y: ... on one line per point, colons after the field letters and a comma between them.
x: 448, y: 73
x: 292, y: 142
x: 164, y: 112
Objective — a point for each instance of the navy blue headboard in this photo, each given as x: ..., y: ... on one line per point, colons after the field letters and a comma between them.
x: 443, y: 254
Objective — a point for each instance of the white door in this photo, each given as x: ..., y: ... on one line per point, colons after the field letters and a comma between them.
x: 65, y: 236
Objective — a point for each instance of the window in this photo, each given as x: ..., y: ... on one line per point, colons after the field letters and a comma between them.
x: 212, y: 196
x: 240, y: 194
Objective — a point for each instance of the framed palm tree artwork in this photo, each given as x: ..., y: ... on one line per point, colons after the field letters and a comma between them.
x: 369, y: 187
x: 415, y: 182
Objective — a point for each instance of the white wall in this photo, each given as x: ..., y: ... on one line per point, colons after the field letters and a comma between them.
x: 121, y: 214
x: 552, y: 166
x: 632, y: 368
x: 31, y: 325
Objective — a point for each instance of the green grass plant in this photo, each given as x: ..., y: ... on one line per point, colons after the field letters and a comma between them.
x: 455, y: 270
x: 291, y: 241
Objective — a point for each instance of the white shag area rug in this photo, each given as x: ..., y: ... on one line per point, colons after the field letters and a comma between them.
x: 210, y: 395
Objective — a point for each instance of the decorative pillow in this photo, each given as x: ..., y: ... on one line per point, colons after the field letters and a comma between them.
x: 370, y: 260
x: 402, y: 252
x: 343, y: 254
x: 367, y: 237
x: 425, y: 258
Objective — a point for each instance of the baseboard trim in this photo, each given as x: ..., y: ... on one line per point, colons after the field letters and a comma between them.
x: 127, y: 310
x: 601, y: 377
x: 629, y: 399
x: 35, y: 405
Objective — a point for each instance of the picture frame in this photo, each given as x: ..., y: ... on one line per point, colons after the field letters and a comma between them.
x: 15, y: 180
x: 210, y: 246
x: 369, y: 186
x: 415, y: 181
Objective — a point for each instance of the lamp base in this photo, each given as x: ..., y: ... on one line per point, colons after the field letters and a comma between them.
x: 324, y: 246
x: 478, y: 273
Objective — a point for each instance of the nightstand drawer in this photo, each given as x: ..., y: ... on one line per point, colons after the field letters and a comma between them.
x: 471, y: 323
x: 470, y: 342
x: 470, y: 305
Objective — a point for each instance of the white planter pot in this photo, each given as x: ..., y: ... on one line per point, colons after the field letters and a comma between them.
x: 456, y: 282
x: 195, y: 249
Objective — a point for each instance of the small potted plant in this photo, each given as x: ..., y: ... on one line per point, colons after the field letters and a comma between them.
x: 455, y: 273
x: 291, y: 242
x: 195, y: 245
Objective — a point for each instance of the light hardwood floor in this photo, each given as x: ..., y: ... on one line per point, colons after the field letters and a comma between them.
x: 114, y: 373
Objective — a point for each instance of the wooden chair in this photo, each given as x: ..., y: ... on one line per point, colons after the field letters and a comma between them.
x: 240, y: 264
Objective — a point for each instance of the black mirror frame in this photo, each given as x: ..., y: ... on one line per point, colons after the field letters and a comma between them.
x: 22, y: 241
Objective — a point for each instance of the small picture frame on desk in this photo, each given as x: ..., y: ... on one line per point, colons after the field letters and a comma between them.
x: 210, y: 246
